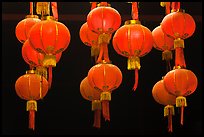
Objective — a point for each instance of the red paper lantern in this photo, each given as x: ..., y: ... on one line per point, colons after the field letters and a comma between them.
x: 178, y: 25
x: 105, y: 78
x: 24, y: 26
x: 31, y: 87
x: 133, y: 40
x: 181, y: 83
x: 92, y: 95
x: 162, y: 96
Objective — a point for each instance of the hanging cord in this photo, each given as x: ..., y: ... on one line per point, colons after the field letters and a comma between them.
x: 93, y: 5
x: 135, y: 10
x: 54, y: 10
x: 31, y: 8
x: 175, y: 6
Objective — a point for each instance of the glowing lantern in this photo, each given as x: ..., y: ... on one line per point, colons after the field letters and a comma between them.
x: 162, y: 96
x: 35, y: 59
x: 103, y: 20
x: 105, y: 78
x: 163, y: 43
x: 49, y: 37
x: 181, y: 83
x: 178, y: 25
x: 92, y: 95
x: 89, y: 38
x: 31, y: 87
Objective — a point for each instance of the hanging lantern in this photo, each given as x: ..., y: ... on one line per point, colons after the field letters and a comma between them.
x: 178, y: 25
x: 103, y: 20
x: 163, y: 43
x: 24, y: 26
x: 35, y: 59
x: 181, y: 83
x: 89, y: 38
x: 105, y: 78
x: 92, y: 95
x: 31, y: 87
x: 162, y: 96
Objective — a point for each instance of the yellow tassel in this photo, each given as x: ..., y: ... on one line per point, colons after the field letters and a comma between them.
x: 133, y: 63
x: 105, y: 96
x: 163, y: 4
x: 104, y: 38
x: 49, y: 60
x: 96, y: 104
x: 178, y: 43
x: 167, y: 110
x: 31, y: 105
x: 167, y: 55
x: 95, y: 51
x: 181, y: 101
x: 41, y: 71
x: 43, y: 8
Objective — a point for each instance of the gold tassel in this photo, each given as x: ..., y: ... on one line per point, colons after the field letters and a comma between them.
x: 105, y: 95
x: 168, y: 108
x: 31, y: 105
x: 167, y: 55
x: 40, y: 70
x: 104, y: 38
x: 178, y: 43
x: 95, y: 51
x: 133, y: 63
x: 49, y: 60
x: 181, y: 101
x: 163, y: 4
x: 43, y: 8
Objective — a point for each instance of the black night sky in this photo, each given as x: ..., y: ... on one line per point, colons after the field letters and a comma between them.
x: 63, y: 111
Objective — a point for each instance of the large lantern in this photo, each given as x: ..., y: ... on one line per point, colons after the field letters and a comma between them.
x: 163, y: 43
x: 162, y: 96
x: 103, y: 20
x: 31, y: 87
x: 181, y: 83
x: 93, y: 95
x: 178, y: 25
x: 105, y: 78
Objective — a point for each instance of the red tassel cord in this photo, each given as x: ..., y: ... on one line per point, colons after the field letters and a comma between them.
x: 179, y: 57
x: 103, y: 3
x: 54, y: 10
x: 105, y: 50
x: 32, y: 119
x: 97, y: 118
x: 170, y: 128
x: 50, y: 76
x: 99, y: 60
x: 31, y: 8
x: 105, y: 110
x: 93, y: 5
x: 175, y: 6
x: 135, y: 10
x: 168, y: 65
x: 136, y: 80
x: 182, y: 112
x: 168, y: 9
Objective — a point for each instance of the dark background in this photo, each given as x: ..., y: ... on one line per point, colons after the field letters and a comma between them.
x: 63, y: 111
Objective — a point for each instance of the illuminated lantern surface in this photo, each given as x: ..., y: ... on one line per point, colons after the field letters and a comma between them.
x: 92, y: 95
x: 105, y: 78
x: 162, y: 96
x: 24, y: 26
x: 31, y: 87
x: 181, y: 83
x: 133, y: 40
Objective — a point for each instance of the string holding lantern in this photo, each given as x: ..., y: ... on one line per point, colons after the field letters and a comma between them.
x: 23, y: 27
x: 103, y: 20
x: 31, y: 87
x: 178, y: 25
x: 162, y: 96
x: 133, y: 41
x: 93, y: 95
x: 105, y: 77
x: 49, y: 37
x: 181, y: 83
x: 35, y: 59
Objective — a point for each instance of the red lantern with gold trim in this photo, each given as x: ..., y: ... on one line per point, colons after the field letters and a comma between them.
x: 31, y: 87
x: 162, y: 96
x: 105, y: 78
x: 92, y: 95
x: 181, y: 83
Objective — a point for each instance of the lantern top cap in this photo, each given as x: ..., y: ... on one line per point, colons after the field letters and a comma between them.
x: 48, y: 18
x: 179, y: 10
x: 131, y: 22
x: 99, y: 5
x: 30, y: 71
x: 32, y: 16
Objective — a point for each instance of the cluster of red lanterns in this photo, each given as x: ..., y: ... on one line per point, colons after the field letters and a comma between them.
x: 45, y: 39
x: 179, y: 82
